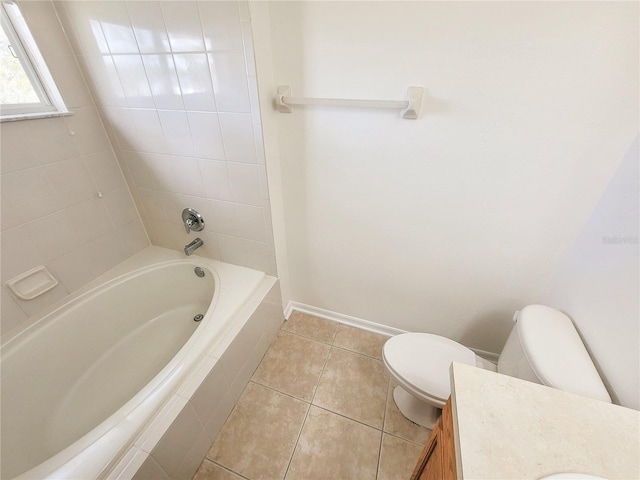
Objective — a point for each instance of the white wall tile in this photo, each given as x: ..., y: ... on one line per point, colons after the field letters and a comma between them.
x: 88, y: 36
x: 176, y: 443
x: 166, y: 235
x: 43, y: 24
x: 163, y: 81
x: 104, y: 170
x: 69, y: 80
x: 15, y: 152
x: 133, y: 78
x: 150, y: 137
x: 195, y: 81
x: 264, y: 186
x: 177, y: 132
x: 27, y: 195
x: 148, y: 26
x: 116, y: 26
x: 251, y: 222
x: 71, y: 181
x: 256, y: 255
x: 228, y: 72
x: 75, y: 269
x: 247, y: 38
x: 102, y: 75
x: 122, y: 125
x: 225, y: 219
x: 245, y: 183
x: 120, y: 207
x: 150, y: 470
x: 107, y: 251
x: 183, y: 25
x: 86, y: 130
x: 257, y: 134
x: 141, y: 170
x: 55, y: 235
x: 206, y: 134
x: 161, y: 103
x: 237, y: 135
x: 216, y: 179
x: 132, y: 238
x: 186, y: 176
x: 254, y: 101
x: 161, y: 169
x: 221, y: 25
x: 53, y: 142
x: 243, y: 7
x: 152, y: 203
x: 12, y: 315
x: 93, y: 217
x: 231, y: 250
x: 20, y: 252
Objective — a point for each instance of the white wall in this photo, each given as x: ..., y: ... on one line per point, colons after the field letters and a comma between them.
x: 449, y: 223
x: 598, y: 284
x: 176, y: 85
x: 52, y: 171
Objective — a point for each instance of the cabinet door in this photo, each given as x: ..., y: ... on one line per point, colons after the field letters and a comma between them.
x: 429, y: 465
x: 438, y: 459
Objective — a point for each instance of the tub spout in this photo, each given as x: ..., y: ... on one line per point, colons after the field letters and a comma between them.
x: 191, y: 247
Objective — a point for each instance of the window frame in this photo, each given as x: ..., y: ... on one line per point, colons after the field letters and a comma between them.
x: 25, y: 47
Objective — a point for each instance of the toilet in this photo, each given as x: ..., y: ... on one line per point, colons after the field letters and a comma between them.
x: 543, y: 347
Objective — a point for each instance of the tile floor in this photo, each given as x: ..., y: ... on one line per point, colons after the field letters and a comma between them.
x: 319, y: 406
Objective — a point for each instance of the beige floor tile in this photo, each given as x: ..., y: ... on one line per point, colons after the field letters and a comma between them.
x: 360, y: 341
x: 397, y: 424
x: 210, y: 471
x: 397, y: 458
x: 293, y: 365
x: 313, y: 327
x: 334, y: 447
x: 260, y: 434
x: 354, y: 386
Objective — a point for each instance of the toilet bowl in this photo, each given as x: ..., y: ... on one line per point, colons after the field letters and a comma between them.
x: 543, y: 347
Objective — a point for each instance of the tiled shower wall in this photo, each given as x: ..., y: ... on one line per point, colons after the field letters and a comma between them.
x: 52, y: 171
x: 176, y: 85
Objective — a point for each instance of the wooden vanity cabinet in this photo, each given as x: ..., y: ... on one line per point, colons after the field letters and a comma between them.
x: 438, y: 459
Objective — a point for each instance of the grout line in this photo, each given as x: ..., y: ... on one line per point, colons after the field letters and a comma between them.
x: 359, y: 353
x: 306, y: 336
x: 347, y: 418
x: 229, y: 470
x: 384, y: 419
x: 279, y: 391
x: 295, y: 445
x: 313, y: 396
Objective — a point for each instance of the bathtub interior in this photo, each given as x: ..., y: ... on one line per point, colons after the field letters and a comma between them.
x: 84, y: 361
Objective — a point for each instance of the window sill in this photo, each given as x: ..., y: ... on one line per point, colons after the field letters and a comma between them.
x: 33, y: 116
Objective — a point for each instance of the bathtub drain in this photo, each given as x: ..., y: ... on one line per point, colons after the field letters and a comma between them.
x: 199, y: 272
x: 198, y: 317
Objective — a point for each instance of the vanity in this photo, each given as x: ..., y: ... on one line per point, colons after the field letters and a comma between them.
x: 500, y: 427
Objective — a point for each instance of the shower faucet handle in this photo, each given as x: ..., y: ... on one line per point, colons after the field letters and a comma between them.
x: 192, y: 220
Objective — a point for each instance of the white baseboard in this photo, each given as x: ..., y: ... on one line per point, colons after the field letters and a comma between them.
x: 363, y: 324
x: 341, y: 318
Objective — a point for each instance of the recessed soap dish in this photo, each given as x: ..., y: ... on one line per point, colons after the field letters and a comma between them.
x: 33, y: 283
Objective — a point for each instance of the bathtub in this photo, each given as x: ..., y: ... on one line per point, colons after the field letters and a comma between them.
x: 86, y: 386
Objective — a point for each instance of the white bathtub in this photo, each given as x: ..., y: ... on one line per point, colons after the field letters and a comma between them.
x: 83, y: 382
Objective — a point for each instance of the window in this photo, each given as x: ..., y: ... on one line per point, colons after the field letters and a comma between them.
x: 28, y: 90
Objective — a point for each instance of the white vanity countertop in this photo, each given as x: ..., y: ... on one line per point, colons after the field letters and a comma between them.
x: 507, y: 428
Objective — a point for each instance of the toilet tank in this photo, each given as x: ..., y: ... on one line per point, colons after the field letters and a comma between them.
x: 544, y: 347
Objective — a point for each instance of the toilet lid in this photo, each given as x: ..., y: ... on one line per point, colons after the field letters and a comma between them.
x: 423, y: 360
